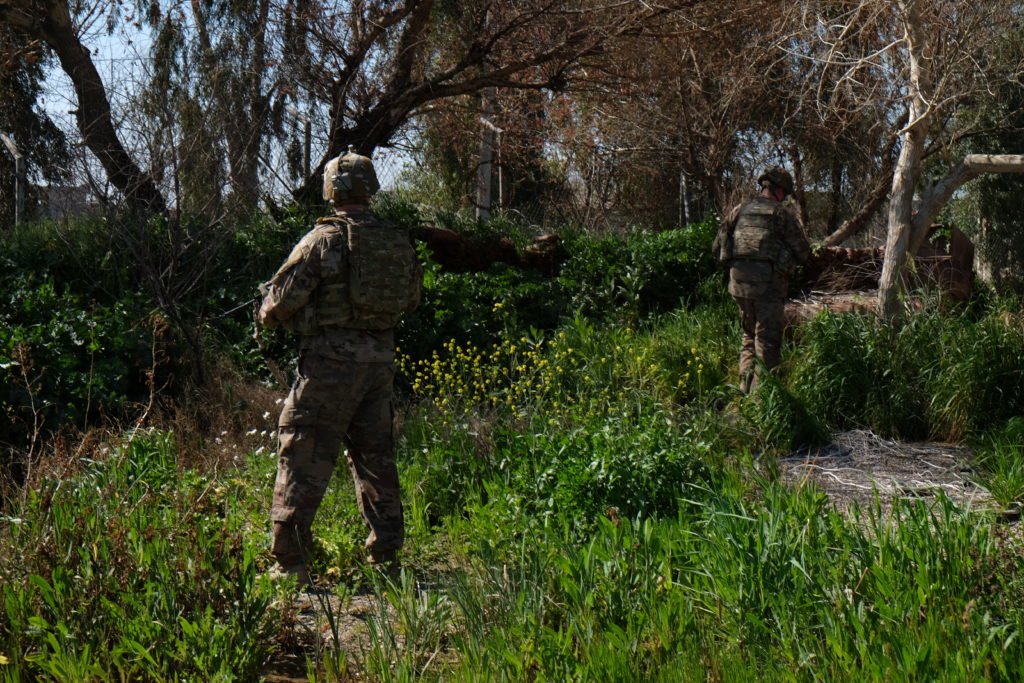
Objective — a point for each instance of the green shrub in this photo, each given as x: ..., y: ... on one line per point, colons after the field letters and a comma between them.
x: 476, y: 308
x: 624, y: 280
x: 64, y: 359
x: 627, y: 279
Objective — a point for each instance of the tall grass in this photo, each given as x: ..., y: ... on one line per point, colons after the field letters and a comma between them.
x: 776, y: 588
x: 943, y: 376
x: 132, y: 570
x: 603, y: 525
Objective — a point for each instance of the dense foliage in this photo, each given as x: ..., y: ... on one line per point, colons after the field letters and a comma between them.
x: 586, y: 492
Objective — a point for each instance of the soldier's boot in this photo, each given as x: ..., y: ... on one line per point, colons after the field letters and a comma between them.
x: 386, y: 563
x: 287, y: 548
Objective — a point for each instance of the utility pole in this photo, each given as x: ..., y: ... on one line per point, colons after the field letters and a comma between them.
x: 307, y: 138
x: 19, y: 178
x: 488, y: 134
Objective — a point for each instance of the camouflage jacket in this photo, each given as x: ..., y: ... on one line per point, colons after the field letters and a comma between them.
x: 764, y: 275
x: 295, y: 295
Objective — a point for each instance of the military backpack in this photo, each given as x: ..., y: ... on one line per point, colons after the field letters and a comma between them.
x: 757, y: 235
x: 379, y: 282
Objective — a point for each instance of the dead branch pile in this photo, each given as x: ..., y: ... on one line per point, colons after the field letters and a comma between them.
x: 860, y: 467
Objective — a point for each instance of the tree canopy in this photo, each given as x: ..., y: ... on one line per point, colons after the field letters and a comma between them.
x: 656, y: 111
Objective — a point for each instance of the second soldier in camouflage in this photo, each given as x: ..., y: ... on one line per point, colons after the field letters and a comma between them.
x: 761, y: 242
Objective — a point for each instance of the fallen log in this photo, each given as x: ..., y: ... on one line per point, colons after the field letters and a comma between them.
x: 462, y: 254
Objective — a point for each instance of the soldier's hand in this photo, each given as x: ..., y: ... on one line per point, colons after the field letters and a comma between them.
x: 264, y: 317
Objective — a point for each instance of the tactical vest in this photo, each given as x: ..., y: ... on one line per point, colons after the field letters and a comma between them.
x: 377, y: 282
x: 756, y: 235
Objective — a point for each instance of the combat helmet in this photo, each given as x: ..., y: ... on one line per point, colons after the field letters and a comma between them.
x: 350, y: 177
x: 779, y: 177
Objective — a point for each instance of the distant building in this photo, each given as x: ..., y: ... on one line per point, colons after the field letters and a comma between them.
x: 66, y: 201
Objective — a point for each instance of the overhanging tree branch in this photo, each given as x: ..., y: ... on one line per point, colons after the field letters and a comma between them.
x: 939, y: 194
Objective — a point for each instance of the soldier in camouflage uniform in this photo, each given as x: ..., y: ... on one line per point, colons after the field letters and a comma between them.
x: 760, y: 242
x: 343, y: 289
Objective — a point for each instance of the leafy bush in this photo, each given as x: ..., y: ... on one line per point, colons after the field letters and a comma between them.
x: 475, y: 308
x: 624, y: 280
x: 627, y: 279
x: 63, y: 359
x: 635, y: 467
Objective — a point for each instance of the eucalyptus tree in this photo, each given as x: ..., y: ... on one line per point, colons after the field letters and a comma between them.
x: 54, y: 24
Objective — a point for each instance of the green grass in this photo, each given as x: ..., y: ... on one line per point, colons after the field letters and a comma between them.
x: 132, y: 569
x: 604, y: 525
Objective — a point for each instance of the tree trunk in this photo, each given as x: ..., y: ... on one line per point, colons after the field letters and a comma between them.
x: 901, y: 211
x: 798, y: 177
x: 908, y: 166
x: 835, y: 203
x: 483, y: 171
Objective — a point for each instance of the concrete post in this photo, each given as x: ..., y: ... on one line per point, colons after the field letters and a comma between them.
x: 19, y: 178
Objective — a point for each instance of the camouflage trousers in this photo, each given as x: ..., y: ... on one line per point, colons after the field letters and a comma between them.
x: 762, y: 322
x: 335, y: 402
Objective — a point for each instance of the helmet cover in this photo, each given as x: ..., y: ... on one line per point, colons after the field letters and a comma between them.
x: 779, y: 177
x: 349, y: 176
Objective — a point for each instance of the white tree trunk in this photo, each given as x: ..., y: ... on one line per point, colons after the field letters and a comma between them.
x: 901, y: 212
x: 908, y: 166
x: 940, y: 193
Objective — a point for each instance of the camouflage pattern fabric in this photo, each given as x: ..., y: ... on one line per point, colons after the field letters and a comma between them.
x: 762, y: 323
x: 335, y: 402
x: 319, y: 257
x: 351, y: 272
x: 348, y: 177
x: 383, y: 273
x: 760, y: 260
x: 342, y: 394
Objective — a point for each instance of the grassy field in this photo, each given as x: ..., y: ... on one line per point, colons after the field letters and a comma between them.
x: 593, y: 503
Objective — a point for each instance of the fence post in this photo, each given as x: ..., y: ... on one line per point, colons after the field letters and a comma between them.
x: 483, y: 170
x: 19, y: 178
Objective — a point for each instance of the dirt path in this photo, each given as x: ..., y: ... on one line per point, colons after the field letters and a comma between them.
x: 320, y: 624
